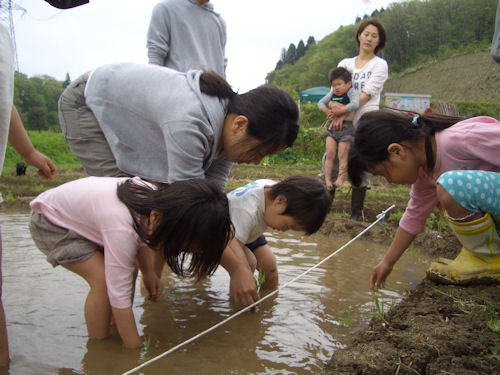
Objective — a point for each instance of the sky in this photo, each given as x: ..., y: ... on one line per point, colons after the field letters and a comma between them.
x: 55, y: 42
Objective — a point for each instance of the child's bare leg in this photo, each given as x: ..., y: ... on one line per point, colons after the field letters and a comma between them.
x: 343, y: 156
x: 266, y: 260
x: 252, y: 261
x: 97, y: 307
x: 331, y: 148
x: 4, y: 343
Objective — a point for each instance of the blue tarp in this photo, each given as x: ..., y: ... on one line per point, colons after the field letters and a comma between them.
x: 314, y: 94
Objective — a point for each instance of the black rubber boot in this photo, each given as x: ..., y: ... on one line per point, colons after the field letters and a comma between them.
x: 357, y: 201
x: 332, y: 193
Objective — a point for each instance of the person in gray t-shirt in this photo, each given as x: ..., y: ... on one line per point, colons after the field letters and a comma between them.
x: 187, y: 34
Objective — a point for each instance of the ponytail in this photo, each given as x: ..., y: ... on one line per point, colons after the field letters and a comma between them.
x: 213, y: 84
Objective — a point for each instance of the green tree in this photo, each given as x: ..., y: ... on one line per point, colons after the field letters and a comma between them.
x: 290, y: 55
x: 67, y: 81
x: 301, y: 50
x: 310, y: 42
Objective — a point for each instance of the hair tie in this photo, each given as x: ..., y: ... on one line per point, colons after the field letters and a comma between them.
x: 414, y: 121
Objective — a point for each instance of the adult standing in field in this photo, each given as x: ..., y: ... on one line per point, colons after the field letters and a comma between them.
x: 12, y: 130
x: 187, y: 34
x: 369, y: 73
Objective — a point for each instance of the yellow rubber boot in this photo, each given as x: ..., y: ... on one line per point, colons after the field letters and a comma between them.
x: 479, y: 259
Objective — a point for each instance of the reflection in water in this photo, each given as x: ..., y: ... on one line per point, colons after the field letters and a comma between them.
x: 295, y: 331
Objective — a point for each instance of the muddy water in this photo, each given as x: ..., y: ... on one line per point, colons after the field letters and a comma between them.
x: 293, y: 332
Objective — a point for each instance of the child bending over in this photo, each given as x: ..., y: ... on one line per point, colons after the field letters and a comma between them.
x: 97, y: 227
x: 339, y: 130
x: 448, y: 162
x: 298, y: 203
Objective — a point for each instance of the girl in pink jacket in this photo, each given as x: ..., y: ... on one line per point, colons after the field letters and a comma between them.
x: 448, y: 162
x: 101, y: 227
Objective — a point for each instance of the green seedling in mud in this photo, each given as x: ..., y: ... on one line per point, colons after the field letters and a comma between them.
x: 147, y: 343
x: 171, y: 311
x: 261, y: 279
x: 381, y: 306
x: 345, y: 318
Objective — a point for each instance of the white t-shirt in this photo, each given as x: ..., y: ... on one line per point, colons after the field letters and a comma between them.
x: 246, y: 208
x: 369, y: 79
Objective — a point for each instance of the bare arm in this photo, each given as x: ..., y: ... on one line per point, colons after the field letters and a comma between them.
x: 243, y: 286
x: 400, y: 243
x: 125, y: 323
x: 146, y: 256
x: 19, y: 140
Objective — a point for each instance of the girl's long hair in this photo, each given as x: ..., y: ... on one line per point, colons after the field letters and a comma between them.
x: 194, y: 221
x: 378, y: 129
x: 273, y: 115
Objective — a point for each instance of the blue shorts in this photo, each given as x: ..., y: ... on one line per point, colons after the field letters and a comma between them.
x: 476, y: 191
x: 261, y: 241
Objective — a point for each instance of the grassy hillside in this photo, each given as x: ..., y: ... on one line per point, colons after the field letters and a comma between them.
x: 473, y: 77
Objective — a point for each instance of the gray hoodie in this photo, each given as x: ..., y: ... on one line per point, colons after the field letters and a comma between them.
x: 184, y: 35
x: 158, y: 123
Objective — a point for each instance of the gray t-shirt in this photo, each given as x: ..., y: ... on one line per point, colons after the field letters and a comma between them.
x: 185, y: 35
x: 158, y: 123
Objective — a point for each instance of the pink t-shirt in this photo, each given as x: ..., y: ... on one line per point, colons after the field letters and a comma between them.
x: 472, y: 144
x: 91, y: 208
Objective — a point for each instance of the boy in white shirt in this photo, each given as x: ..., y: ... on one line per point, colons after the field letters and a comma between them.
x: 298, y: 203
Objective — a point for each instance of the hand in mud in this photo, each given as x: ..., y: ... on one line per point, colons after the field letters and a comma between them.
x: 379, y: 274
x: 153, y: 285
x: 243, y: 287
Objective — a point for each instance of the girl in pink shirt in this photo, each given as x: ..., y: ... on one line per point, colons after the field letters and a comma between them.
x: 448, y: 162
x: 101, y: 228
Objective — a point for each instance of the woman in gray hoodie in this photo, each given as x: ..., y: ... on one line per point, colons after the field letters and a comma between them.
x: 163, y: 125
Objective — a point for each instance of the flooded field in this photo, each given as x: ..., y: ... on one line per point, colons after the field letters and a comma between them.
x: 294, y: 332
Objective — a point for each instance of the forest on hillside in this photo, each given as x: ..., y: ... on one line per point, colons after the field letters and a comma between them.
x: 418, y: 31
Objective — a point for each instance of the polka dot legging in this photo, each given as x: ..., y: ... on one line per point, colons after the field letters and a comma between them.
x: 476, y: 191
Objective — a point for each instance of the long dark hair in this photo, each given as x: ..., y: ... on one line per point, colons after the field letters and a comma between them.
x: 194, y: 220
x: 273, y: 115
x: 308, y: 201
x: 378, y: 129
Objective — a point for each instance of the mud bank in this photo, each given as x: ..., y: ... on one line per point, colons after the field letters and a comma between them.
x: 436, y: 329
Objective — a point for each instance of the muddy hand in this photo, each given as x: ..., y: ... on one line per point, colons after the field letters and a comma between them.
x: 379, y: 274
